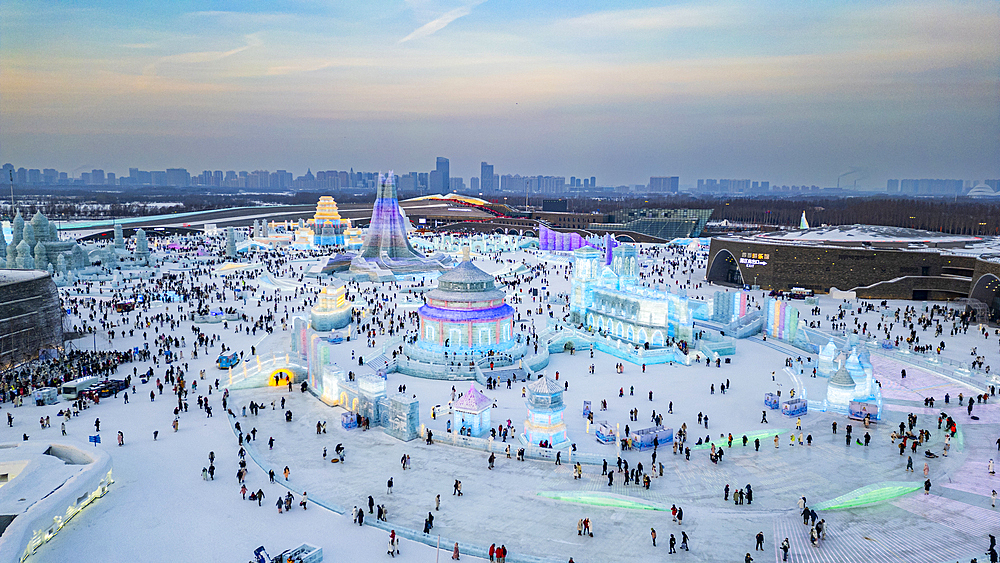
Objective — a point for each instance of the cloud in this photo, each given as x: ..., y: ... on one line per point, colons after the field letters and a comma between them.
x: 433, y: 26
x: 645, y: 19
x: 210, y: 56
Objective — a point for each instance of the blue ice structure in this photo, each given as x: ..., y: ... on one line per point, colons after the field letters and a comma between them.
x: 545, y: 414
x: 397, y: 414
x: 471, y: 413
x: 332, y: 310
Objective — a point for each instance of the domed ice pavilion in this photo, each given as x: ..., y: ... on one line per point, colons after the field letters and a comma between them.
x: 465, y: 315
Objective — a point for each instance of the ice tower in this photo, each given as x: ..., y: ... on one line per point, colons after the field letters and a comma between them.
x: 545, y: 414
x: 386, y: 245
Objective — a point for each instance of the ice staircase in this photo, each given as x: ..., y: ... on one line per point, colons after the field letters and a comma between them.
x: 380, y: 363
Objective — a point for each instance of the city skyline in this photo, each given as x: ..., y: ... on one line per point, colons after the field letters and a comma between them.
x: 791, y: 93
x: 439, y: 181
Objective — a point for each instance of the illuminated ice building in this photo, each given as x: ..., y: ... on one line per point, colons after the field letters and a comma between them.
x: 465, y: 318
x: 387, y: 251
x: 545, y: 424
x: 327, y: 225
x: 609, y: 299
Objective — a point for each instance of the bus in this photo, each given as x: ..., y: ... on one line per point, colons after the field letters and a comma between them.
x: 124, y: 306
x: 71, y: 390
x: 227, y: 361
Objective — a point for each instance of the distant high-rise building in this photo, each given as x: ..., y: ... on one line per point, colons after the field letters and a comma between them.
x: 593, y: 182
x: 85, y: 178
x: 664, y: 184
x: 407, y: 183
x: 474, y: 184
x: 158, y: 177
x: 486, y: 178
x: 423, y: 182
x: 217, y: 178
x: 995, y: 184
x: 50, y: 176
x: 112, y: 179
x: 97, y: 177
x: 444, y: 177
x: 34, y: 176
x: 178, y: 177
x: 434, y: 182
x: 892, y: 186
x: 930, y: 187
x: 456, y: 185
x: 22, y: 176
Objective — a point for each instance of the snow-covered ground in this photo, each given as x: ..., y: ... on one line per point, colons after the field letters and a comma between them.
x: 161, y: 510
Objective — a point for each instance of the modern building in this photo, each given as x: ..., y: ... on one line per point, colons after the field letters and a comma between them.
x: 664, y: 184
x: 486, y: 179
x: 666, y: 224
x: 443, y: 176
x: 873, y: 262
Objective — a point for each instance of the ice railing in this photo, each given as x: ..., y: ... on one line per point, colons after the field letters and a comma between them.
x: 530, y: 452
x: 957, y: 370
x: 260, y: 366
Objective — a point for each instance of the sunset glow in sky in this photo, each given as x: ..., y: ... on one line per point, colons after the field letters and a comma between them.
x: 791, y: 92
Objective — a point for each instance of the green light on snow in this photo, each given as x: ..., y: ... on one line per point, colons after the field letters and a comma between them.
x: 600, y: 499
x: 871, y: 494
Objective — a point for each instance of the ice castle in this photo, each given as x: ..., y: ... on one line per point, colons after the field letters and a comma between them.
x: 610, y: 299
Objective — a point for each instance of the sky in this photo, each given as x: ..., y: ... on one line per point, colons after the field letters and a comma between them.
x: 789, y: 92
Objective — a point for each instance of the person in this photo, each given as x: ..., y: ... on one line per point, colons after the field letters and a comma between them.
x: 437, y: 502
x: 652, y: 534
x: 388, y: 486
x: 684, y: 541
x: 763, y: 417
x: 785, y: 546
x: 748, y: 559
x: 760, y: 541
x: 454, y: 553
x: 927, y: 487
x: 673, y: 542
